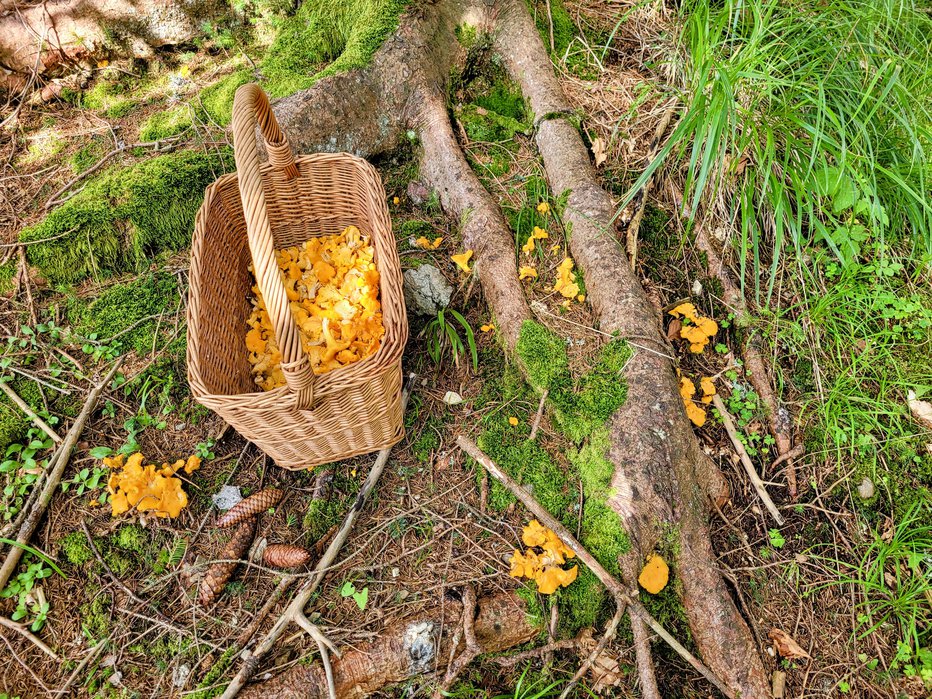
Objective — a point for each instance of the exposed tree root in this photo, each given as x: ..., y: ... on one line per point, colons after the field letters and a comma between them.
x: 661, y: 476
x: 660, y: 471
x: 405, y: 650
x: 778, y: 418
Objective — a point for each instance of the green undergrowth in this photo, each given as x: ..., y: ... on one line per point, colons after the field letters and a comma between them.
x: 322, y: 38
x: 128, y: 313
x: 492, y: 113
x: 13, y: 423
x: 581, y: 48
x: 580, y: 406
x: 124, y: 218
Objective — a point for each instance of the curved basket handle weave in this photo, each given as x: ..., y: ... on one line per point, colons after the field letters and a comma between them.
x: 249, y: 107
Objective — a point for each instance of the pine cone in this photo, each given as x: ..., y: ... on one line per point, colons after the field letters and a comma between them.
x: 247, y: 508
x: 286, y: 556
x: 218, y: 574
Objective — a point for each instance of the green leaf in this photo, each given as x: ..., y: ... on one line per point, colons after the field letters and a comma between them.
x: 776, y: 538
x: 100, y: 452
x: 348, y: 589
x: 362, y: 597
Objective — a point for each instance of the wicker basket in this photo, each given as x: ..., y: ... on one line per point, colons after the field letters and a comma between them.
x: 312, y: 419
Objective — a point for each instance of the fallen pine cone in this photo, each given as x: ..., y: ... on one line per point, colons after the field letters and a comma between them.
x: 218, y: 574
x: 247, y: 508
x: 286, y: 555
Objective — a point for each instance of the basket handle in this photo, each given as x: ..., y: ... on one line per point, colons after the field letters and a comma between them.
x: 250, y: 105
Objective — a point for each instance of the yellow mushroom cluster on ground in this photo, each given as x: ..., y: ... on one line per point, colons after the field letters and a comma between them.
x: 688, y: 391
x: 697, y: 330
x: 148, y: 488
x: 544, y: 566
x: 333, y: 289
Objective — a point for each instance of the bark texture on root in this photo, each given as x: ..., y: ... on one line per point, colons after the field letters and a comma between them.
x: 53, y: 35
x: 414, y: 647
x: 661, y: 474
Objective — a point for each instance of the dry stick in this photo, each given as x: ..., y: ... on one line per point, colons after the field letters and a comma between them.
x: 540, y: 414
x: 30, y: 413
x: 27, y: 285
x: 295, y: 611
x: 25, y: 633
x: 635, y: 224
x: 60, y: 461
x: 88, y: 657
x: 746, y: 460
x: 472, y: 650
x: 613, y: 585
x: 512, y: 660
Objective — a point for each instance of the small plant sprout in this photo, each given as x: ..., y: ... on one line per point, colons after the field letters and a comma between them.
x: 443, y: 337
x: 361, y: 597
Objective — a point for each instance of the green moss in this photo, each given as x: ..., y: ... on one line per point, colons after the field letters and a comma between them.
x: 585, y: 406
x: 95, y: 616
x: 88, y: 155
x: 75, y: 547
x: 564, y: 29
x: 536, y: 615
x: 13, y: 423
x: 131, y: 538
x: 110, y: 96
x: 166, y: 123
x: 428, y: 441
x: 417, y: 229
x: 217, y: 100
x: 131, y: 309
x: 467, y: 35
x: 582, y: 603
x: 124, y: 217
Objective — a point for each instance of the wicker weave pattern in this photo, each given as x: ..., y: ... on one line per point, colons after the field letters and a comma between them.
x: 248, y: 215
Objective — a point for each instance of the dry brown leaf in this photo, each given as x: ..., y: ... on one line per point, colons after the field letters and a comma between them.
x: 785, y: 645
x: 673, y: 330
x: 921, y: 409
x: 605, y: 670
x: 598, y: 151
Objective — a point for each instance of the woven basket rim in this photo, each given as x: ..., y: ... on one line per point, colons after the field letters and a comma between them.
x: 259, y: 401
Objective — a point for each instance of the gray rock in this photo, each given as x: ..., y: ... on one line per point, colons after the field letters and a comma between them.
x: 226, y: 497
x: 866, y: 489
x: 426, y: 290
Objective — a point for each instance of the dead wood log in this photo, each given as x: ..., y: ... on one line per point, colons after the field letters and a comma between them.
x: 405, y: 650
x: 660, y: 469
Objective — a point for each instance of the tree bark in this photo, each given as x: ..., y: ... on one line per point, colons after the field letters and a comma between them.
x: 414, y: 647
x: 52, y: 35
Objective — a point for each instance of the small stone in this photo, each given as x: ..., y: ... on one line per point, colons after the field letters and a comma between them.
x: 180, y: 674
x: 226, y: 497
x: 418, y: 193
x: 426, y: 290
x: 116, y: 679
x: 697, y: 288
x: 866, y: 489
x: 452, y: 398
x: 395, y: 572
x: 179, y: 427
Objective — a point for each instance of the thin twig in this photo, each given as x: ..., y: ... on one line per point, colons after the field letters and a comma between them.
x: 57, y: 465
x: 29, y: 636
x: 295, y: 611
x: 517, y: 658
x: 472, y: 649
x: 88, y: 657
x: 30, y: 413
x: 614, y: 586
x: 746, y: 460
x: 540, y: 414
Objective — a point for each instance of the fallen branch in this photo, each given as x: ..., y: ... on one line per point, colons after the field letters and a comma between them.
x: 611, y: 584
x: 58, y: 464
x: 539, y: 414
x: 472, y: 650
x: 746, y: 460
x: 25, y: 633
x: 518, y: 658
x: 30, y: 413
x: 163, y: 146
x: 295, y: 611
x: 404, y: 650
